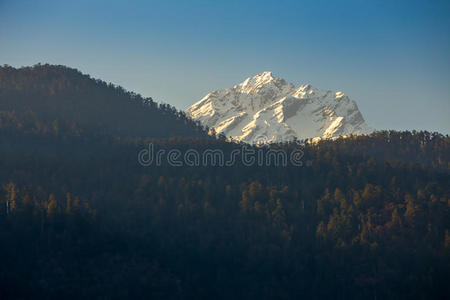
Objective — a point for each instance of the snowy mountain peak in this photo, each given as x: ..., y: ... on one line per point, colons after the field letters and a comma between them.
x: 260, y: 82
x: 266, y: 107
x: 265, y: 76
x: 256, y: 81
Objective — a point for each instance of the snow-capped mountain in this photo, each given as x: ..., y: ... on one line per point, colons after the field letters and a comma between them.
x: 268, y: 109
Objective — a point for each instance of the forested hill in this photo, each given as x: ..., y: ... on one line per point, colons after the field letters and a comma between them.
x: 361, y: 220
x: 47, y: 99
x: 364, y: 217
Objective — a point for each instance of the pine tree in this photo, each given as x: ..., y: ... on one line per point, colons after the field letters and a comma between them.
x: 279, y: 215
x: 245, y: 203
x: 51, y: 206
x: 11, y: 198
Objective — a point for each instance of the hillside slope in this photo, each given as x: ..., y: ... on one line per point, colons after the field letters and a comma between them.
x: 46, y: 97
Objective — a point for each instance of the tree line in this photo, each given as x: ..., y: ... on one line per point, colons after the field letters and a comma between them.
x: 367, y: 217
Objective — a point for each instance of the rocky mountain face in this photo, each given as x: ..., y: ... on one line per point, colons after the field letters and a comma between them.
x: 268, y: 109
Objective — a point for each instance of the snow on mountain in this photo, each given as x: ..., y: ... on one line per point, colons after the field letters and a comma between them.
x: 269, y: 109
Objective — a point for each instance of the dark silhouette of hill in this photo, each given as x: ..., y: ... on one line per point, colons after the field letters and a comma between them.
x: 47, y: 97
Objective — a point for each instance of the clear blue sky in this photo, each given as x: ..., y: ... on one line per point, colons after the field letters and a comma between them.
x: 391, y: 57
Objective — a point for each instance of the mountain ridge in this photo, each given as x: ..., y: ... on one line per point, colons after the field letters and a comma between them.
x: 45, y: 97
x: 268, y: 108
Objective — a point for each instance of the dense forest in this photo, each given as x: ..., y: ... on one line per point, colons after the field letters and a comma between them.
x: 46, y: 99
x: 80, y: 218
